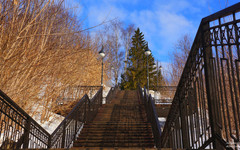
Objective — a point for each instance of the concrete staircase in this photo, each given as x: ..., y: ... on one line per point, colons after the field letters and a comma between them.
x: 122, y: 123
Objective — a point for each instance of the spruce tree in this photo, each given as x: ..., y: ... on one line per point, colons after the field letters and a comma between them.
x: 137, y: 64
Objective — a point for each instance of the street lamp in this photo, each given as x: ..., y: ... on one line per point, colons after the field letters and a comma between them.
x: 154, y: 65
x: 147, y: 53
x: 102, y: 54
x: 160, y: 68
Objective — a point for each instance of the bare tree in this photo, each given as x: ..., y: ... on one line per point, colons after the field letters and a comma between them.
x: 127, y: 40
x: 43, y: 51
x: 179, y: 58
x: 111, y: 40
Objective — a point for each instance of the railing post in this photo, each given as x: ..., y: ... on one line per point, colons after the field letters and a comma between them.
x: 26, y: 133
x: 85, y: 111
x: 185, y: 137
x: 49, y: 141
x: 76, y: 121
x: 101, y: 101
x: 64, y: 135
x: 211, y: 88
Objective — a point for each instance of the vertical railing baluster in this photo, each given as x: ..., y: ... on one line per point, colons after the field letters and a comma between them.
x: 49, y: 142
x: 26, y: 133
x: 185, y: 137
x: 76, y: 121
x: 210, y: 88
x: 64, y: 135
x: 85, y: 112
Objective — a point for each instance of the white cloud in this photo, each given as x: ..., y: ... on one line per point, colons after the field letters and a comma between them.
x: 100, y: 13
x: 162, y: 22
x: 173, y: 26
x: 162, y: 27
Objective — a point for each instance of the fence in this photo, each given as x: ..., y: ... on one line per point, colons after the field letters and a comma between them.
x: 151, y: 114
x: 69, y: 97
x: 164, y: 94
x: 110, y: 95
x: 19, y: 130
x: 76, y: 92
x: 83, y: 112
x: 205, y: 108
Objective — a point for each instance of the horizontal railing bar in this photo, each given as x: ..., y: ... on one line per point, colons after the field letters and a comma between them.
x: 222, y: 13
x: 15, y: 106
x: 67, y: 117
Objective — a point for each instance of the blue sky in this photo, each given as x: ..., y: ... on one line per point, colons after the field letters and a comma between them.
x: 163, y: 22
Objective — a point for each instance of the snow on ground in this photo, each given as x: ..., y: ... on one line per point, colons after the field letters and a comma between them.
x: 55, y: 119
x: 162, y: 119
x: 49, y: 125
x: 106, y: 90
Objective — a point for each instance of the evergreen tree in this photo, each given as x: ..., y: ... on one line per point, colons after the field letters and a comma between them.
x: 137, y: 64
x: 161, y: 82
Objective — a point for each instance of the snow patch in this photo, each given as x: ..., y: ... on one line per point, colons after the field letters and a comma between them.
x: 52, y: 123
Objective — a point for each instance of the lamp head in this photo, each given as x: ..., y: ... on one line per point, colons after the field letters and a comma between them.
x: 147, y: 51
x: 101, y: 52
x: 154, y: 65
x: 160, y: 67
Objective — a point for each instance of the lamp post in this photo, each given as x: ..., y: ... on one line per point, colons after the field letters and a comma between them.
x: 160, y: 68
x: 147, y: 53
x: 102, y: 54
x: 154, y: 66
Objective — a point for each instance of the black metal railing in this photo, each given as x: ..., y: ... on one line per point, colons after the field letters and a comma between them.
x: 167, y: 101
x: 151, y: 114
x: 163, y: 94
x: 19, y: 131
x: 205, y: 109
x: 110, y: 95
x: 85, y: 110
x: 72, y: 93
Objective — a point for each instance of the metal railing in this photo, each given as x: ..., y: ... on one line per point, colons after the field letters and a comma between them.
x: 163, y: 94
x: 110, y: 95
x: 151, y: 114
x: 18, y: 130
x: 70, y: 96
x: 85, y: 110
x: 163, y: 101
x: 76, y: 92
x: 205, y: 109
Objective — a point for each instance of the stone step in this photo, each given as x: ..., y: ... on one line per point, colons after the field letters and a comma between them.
x: 120, y: 128
x: 113, y: 148
x: 101, y: 144
x: 114, y: 133
x: 122, y: 123
x: 114, y: 139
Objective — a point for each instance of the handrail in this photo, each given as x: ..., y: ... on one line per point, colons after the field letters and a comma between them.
x: 151, y: 115
x: 83, y: 112
x: 205, y: 108
x: 19, y: 130
x: 111, y: 92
